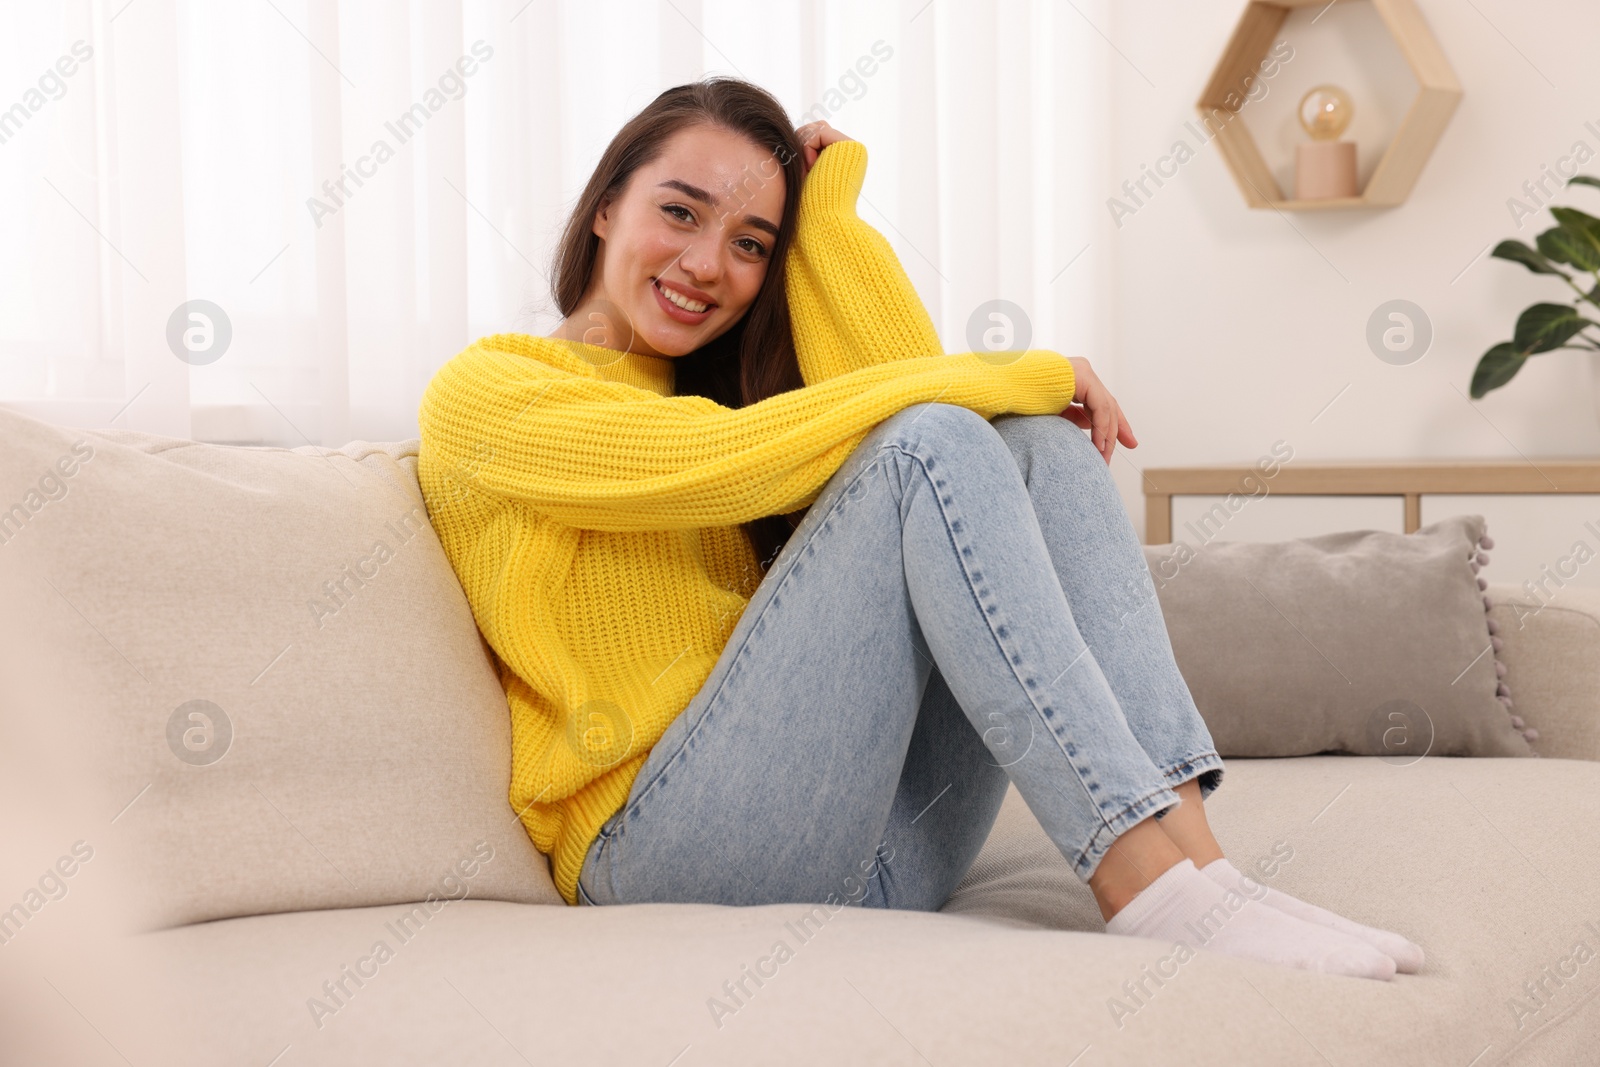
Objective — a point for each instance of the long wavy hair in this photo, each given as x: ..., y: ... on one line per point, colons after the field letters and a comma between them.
x: 755, y: 358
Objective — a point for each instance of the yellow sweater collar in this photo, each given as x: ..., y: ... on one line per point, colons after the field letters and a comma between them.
x: 654, y: 373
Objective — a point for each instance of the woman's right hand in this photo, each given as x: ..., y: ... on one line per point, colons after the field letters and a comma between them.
x: 814, y: 137
x: 1096, y: 410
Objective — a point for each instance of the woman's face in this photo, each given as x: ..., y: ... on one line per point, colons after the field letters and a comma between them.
x: 695, y: 227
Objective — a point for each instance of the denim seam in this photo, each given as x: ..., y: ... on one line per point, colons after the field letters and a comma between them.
x: 597, y: 848
x: 999, y: 641
x: 734, y: 666
x: 1199, y: 762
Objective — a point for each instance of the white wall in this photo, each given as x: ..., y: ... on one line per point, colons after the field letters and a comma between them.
x: 1233, y: 328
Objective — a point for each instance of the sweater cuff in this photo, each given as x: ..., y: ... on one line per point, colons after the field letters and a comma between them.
x: 834, y: 182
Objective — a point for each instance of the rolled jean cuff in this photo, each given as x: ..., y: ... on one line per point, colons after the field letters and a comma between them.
x: 1134, y: 814
x: 1207, y: 766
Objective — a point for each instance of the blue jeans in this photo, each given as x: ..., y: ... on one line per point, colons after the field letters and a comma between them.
x: 964, y: 605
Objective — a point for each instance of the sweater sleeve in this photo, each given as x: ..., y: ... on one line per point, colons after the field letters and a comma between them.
x: 851, y: 304
x: 606, y: 455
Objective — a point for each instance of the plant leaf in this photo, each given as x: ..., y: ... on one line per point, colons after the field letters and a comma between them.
x: 1563, y: 246
x: 1543, y: 327
x: 1584, y: 179
x: 1517, y: 252
x: 1586, y: 228
x: 1497, y: 367
x: 1577, y: 221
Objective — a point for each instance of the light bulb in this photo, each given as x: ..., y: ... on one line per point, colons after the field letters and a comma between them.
x: 1325, y: 111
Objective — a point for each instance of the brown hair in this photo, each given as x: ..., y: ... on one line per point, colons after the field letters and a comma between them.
x: 755, y: 358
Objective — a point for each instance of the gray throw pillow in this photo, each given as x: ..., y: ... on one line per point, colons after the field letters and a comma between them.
x: 1363, y: 642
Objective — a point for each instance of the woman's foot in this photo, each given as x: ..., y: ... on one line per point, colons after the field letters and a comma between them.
x: 1406, y: 955
x: 1186, y: 906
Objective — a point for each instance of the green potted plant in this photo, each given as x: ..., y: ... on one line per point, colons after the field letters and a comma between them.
x: 1547, y: 327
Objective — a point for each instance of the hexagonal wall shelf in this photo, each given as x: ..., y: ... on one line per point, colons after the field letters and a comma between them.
x: 1397, y: 170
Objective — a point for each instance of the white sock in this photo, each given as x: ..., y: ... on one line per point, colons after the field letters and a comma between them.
x: 1407, y: 956
x: 1184, y: 905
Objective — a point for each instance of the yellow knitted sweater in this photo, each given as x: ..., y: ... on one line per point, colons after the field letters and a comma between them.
x: 592, y: 516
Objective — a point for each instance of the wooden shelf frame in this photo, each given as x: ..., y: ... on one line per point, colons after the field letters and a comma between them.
x: 1391, y: 182
x: 1403, y: 478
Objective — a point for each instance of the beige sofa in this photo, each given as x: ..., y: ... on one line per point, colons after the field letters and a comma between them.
x: 232, y: 909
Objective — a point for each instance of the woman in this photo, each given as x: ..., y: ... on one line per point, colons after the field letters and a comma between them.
x: 715, y: 699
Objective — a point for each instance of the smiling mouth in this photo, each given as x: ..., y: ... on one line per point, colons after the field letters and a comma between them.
x: 678, y: 306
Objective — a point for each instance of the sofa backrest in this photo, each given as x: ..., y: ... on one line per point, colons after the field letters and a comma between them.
x: 266, y: 656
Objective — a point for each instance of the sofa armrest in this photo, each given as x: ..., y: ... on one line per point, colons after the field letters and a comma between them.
x: 1552, y: 658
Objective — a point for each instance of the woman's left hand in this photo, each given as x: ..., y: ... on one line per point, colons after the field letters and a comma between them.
x: 814, y: 137
x: 1096, y: 410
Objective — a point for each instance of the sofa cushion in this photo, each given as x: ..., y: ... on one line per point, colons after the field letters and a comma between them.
x: 1552, y: 658
x: 1363, y: 642
x: 265, y: 654
x: 1491, y: 864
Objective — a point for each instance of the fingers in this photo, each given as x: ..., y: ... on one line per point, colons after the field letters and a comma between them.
x: 810, y: 143
x: 1077, y: 416
x: 1088, y: 413
x: 1099, y: 417
x: 1097, y: 411
x: 818, y: 135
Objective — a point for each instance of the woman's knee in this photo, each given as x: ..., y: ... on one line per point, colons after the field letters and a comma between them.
x: 928, y: 422
x: 1045, y: 431
x: 1051, y: 443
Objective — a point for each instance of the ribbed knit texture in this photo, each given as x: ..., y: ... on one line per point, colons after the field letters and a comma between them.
x: 592, y: 516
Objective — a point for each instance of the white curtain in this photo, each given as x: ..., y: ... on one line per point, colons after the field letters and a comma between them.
x: 358, y: 188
